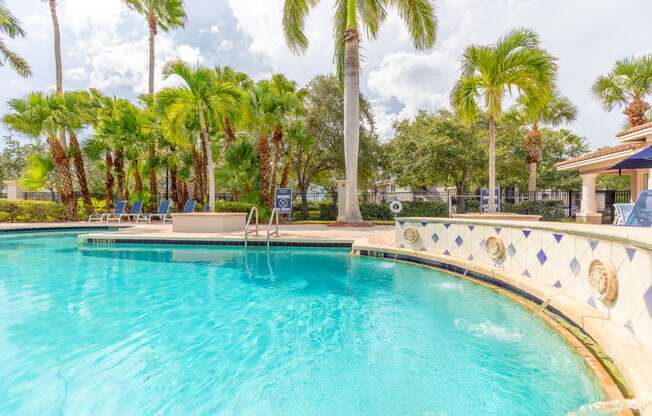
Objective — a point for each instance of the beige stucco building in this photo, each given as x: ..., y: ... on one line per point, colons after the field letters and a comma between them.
x: 599, y: 162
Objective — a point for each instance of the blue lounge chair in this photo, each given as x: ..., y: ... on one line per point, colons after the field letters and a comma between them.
x: 189, y: 207
x: 641, y: 215
x: 119, y: 210
x: 135, y: 212
x: 622, y: 212
x: 163, y: 212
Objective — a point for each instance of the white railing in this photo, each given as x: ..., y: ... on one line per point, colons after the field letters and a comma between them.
x: 253, y: 211
x: 269, y: 226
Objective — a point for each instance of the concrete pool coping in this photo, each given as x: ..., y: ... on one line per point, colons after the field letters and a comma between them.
x: 631, y: 358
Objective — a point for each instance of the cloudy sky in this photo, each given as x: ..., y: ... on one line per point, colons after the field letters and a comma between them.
x: 105, y: 46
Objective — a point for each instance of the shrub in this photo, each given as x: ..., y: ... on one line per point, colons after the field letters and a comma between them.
x: 381, y: 212
x: 549, y: 210
x: 31, y: 211
x: 226, y: 206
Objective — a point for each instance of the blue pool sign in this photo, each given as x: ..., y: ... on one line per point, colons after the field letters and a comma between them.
x: 484, y: 200
x: 283, y: 200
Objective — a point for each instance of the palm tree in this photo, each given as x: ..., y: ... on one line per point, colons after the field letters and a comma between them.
x: 74, y: 116
x: 36, y: 116
x: 626, y: 86
x: 243, y: 81
x: 205, y: 98
x: 164, y: 15
x: 419, y: 16
x: 552, y: 111
x: 489, y: 73
x: 10, y: 26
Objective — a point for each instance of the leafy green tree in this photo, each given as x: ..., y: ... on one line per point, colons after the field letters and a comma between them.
x: 553, y: 110
x: 164, y: 15
x: 517, y: 62
x: 626, y: 86
x: 420, y: 19
x: 15, y: 156
x: 437, y: 150
x: 238, y: 173
x: 11, y: 27
x: 206, y: 98
x: 318, y: 138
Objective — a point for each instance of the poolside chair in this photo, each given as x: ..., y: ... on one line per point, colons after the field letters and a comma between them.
x: 163, y: 212
x: 135, y: 212
x: 641, y: 215
x: 622, y: 212
x: 119, y: 210
x: 189, y: 207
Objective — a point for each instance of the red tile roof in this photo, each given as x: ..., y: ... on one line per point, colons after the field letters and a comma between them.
x: 635, y: 129
x: 604, y: 152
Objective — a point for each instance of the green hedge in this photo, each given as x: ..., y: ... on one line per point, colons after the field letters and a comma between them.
x: 224, y: 206
x: 375, y: 212
x: 549, y: 210
x: 31, y: 211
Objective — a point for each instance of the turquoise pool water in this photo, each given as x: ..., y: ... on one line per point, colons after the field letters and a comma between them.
x: 135, y: 330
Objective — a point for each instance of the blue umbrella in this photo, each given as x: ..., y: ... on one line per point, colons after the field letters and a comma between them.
x: 641, y: 160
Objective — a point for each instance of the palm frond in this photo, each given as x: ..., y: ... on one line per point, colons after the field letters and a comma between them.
x: 421, y: 21
x: 294, y: 20
x: 17, y: 62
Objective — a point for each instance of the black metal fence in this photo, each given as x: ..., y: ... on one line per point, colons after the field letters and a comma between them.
x: 552, y: 205
x: 3, y: 195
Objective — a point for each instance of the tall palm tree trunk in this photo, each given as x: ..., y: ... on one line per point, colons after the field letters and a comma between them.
x: 229, y: 132
x: 197, y: 167
x: 533, y: 147
x: 277, y: 138
x: 265, y: 169
x: 62, y: 164
x: 153, y: 28
x: 57, y: 45
x: 118, y: 164
x: 352, y: 119
x: 80, y: 171
x: 108, y: 179
x: 174, y: 186
x: 635, y: 112
x: 492, y: 164
x: 138, y: 179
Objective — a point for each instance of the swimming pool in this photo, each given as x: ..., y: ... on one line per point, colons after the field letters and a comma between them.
x: 145, y: 330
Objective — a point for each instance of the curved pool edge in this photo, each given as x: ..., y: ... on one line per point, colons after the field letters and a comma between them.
x: 630, y: 358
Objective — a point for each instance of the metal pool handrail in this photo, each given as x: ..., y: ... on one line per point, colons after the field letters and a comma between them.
x: 249, y: 217
x: 269, y: 226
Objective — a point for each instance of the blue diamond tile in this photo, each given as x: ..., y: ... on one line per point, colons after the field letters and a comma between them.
x: 511, y: 249
x: 648, y: 300
x: 423, y: 249
x: 402, y: 246
x: 558, y: 237
x: 526, y: 233
x: 541, y: 256
x: 435, y: 238
x: 401, y: 222
x: 593, y: 244
x: 459, y: 241
x: 630, y: 326
x: 557, y: 284
x: 470, y: 258
x: 447, y: 225
x: 575, y: 266
x: 591, y: 302
x: 447, y: 253
x: 482, y: 242
x: 526, y: 273
x: 424, y: 223
x: 631, y: 252
x: 471, y: 227
x: 498, y: 230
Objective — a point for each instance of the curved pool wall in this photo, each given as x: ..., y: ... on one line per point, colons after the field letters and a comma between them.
x: 549, y: 262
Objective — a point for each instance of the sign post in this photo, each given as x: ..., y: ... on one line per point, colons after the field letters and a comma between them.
x: 484, y: 200
x: 283, y: 201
